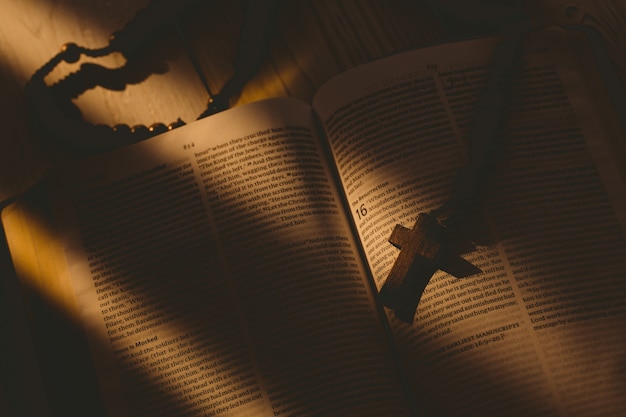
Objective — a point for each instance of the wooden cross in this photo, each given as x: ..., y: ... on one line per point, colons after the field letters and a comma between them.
x: 429, y: 246
x: 423, y: 251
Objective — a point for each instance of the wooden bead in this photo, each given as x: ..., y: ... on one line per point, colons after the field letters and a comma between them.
x: 71, y: 52
x: 157, y: 128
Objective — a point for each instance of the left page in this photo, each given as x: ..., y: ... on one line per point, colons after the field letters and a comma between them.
x: 215, y: 273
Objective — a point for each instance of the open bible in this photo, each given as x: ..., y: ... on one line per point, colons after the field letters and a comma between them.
x: 232, y: 266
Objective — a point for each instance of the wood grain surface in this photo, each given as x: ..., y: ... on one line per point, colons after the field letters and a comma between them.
x: 312, y: 41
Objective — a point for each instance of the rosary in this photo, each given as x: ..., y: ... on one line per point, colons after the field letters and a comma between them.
x: 432, y: 244
x: 52, y: 107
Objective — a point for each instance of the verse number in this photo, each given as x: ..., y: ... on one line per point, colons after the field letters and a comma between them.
x: 361, y: 211
x: 189, y: 145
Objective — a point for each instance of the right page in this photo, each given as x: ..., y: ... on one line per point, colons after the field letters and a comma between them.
x: 540, y: 331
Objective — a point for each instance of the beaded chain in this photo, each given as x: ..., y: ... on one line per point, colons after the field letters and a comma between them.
x: 51, y: 105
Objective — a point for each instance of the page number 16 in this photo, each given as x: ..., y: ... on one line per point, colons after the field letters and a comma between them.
x: 361, y: 212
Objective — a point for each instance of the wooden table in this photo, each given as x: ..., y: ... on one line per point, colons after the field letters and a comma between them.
x: 313, y: 41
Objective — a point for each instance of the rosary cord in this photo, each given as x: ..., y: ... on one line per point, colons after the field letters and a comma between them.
x: 51, y: 105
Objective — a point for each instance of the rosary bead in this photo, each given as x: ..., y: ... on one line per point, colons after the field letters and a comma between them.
x: 140, y: 132
x: 174, y: 125
x: 157, y: 128
x: 121, y: 129
x: 71, y: 52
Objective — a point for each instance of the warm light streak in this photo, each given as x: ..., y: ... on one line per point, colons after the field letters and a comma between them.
x: 292, y: 78
x: 35, y: 31
x: 39, y: 267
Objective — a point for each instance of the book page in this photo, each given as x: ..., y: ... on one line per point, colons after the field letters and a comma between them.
x: 540, y: 331
x: 217, y: 274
